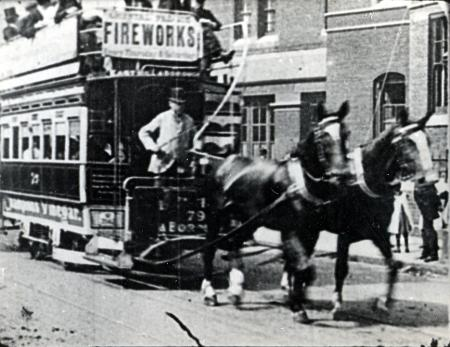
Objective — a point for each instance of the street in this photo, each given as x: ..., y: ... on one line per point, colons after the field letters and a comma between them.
x: 43, y: 305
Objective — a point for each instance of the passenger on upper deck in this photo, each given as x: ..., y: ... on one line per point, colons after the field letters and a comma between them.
x: 176, y: 133
x: 173, y: 5
x: 213, y: 51
x: 138, y: 3
x: 11, y: 30
x: 66, y: 8
x: 40, y: 14
x: 27, y: 24
x: 48, y: 11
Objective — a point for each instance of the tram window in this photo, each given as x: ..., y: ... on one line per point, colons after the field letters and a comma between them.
x: 36, y: 141
x: 47, y: 137
x: 6, y: 139
x: 60, y: 147
x: 74, y: 139
x: 15, y: 142
x: 25, y: 138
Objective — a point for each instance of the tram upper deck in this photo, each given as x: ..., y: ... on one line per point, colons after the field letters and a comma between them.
x: 117, y: 40
x: 60, y: 110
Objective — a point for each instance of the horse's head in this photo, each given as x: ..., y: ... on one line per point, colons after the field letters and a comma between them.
x: 400, y: 153
x: 324, y: 152
x: 412, y: 150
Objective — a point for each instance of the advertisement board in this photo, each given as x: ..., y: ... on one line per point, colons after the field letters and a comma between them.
x: 57, y: 212
x: 153, y: 35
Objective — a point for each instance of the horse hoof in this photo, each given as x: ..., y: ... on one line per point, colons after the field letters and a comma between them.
x: 236, y: 300
x: 337, y: 314
x: 381, y: 305
x: 210, y: 300
x: 301, y: 317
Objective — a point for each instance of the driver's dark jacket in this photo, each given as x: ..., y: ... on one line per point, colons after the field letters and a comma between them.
x: 427, y: 200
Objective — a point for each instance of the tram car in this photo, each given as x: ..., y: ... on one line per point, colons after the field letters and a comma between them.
x: 73, y: 171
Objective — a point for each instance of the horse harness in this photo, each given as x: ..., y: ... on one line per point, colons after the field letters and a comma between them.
x: 296, y: 174
x: 359, y: 171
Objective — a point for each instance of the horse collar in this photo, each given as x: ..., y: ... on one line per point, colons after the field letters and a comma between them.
x: 359, y: 170
x: 296, y: 173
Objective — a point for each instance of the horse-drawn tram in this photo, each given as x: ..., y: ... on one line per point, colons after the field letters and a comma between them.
x: 74, y: 172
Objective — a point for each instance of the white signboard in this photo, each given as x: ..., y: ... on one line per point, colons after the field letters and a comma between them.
x: 151, y: 35
x: 23, y: 55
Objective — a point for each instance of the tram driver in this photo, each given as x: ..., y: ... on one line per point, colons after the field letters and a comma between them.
x: 176, y: 132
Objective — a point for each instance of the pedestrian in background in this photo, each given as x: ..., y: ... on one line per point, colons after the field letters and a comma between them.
x: 401, y: 224
x: 429, y: 205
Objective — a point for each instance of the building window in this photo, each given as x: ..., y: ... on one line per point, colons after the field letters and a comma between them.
x: 258, y: 125
x: 388, y: 99
x: 266, y: 17
x: 238, y: 11
x: 438, y: 64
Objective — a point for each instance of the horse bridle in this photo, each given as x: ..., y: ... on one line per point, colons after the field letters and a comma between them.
x: 319, y: 132
x: 402, y: 134
x: 411, y: 133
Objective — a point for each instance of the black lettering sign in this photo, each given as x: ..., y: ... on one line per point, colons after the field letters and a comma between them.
x: 159, y: 35
x: 148, y: 34
x: 125, y: 32
x: 107, y: 31
x: 180, y: 36
x: 191, y: 36
x: 169, y: 36
x: 135, y: 34
x: 116, y: 33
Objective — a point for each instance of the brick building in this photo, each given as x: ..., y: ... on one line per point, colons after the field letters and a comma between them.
x: 387, y: 55
x: 286, y: 68
x: 380, y: 55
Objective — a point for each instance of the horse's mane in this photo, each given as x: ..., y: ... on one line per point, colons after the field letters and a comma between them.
x: 377, y: 145
x: 303, y: 148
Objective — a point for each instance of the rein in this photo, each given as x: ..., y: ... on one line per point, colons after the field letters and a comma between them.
x: 283, y: 197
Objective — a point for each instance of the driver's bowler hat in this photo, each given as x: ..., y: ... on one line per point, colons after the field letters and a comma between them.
x: 177, y: 95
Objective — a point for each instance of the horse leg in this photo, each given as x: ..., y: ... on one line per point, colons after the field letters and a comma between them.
x: 340, y: 273
x: 285, y: 282
x: 236, y: 277
x: 384, y: 303
x: 302, y: 272
x: 207, y: 289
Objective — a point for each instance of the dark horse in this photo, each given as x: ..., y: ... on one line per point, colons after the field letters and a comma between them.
x: 247, y: 186
x: 400, y: 153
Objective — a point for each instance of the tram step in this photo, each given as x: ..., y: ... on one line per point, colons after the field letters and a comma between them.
x: 116, y: 263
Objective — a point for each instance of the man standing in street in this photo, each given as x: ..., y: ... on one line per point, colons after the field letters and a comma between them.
x: 176, y: 132
x: 429, y: 205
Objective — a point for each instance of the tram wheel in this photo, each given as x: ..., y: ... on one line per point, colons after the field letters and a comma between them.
x: 22, y: 243
x: 68, y: 266
x: 38, y: 250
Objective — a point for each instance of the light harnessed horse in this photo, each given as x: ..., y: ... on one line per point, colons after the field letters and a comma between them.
x: 398, y: 154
